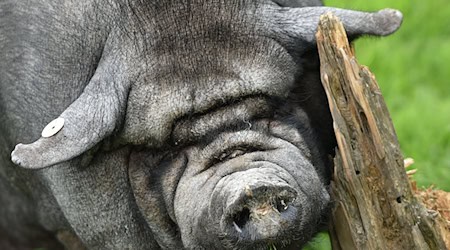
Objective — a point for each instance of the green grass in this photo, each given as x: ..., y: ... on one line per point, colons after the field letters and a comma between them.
x: 320, y: 242
x: 413, y: 71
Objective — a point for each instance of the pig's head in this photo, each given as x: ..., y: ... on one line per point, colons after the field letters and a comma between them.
x: 225, y: 116
x: 253, y: 186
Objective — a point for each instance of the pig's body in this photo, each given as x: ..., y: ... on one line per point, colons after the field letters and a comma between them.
x: 187, y: 124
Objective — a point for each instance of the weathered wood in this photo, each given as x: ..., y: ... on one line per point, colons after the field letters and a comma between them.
x: 375, y: 207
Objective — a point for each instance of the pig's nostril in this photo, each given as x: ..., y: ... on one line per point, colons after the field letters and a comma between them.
x: 240, y: 219
x: 282, y: 205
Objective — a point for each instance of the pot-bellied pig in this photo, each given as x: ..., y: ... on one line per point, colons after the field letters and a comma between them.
x: 171, y: 124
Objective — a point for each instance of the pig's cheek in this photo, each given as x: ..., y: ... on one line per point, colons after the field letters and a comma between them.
x: 154, y: 180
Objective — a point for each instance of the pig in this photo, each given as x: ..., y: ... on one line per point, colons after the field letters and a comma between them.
x: 176, y: 124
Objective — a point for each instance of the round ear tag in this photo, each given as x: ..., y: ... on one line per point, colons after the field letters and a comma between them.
x: 53, y: 127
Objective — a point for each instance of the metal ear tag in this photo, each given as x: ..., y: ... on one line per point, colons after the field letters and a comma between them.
x: 53, y: 127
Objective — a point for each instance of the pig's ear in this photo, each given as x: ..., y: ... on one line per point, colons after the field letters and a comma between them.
x: 301, y: 23
x: 89, y: 119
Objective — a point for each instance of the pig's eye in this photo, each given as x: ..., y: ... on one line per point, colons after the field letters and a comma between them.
x: 233, y: 153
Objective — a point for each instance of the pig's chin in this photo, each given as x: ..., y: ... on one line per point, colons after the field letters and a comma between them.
x: 272, y: 196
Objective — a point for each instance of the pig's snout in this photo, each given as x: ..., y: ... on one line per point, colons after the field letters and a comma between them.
x: 259, y: 207
x: 262, y: 212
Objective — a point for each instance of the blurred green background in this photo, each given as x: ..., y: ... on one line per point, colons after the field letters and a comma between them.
x: 412, y: 67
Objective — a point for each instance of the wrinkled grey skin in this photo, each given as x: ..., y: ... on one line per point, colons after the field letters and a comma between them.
x: 188, y: 124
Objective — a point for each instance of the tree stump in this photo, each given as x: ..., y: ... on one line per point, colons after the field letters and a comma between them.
x: 375, y: 207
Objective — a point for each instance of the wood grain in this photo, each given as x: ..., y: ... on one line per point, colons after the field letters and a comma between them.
x: 375, y: 207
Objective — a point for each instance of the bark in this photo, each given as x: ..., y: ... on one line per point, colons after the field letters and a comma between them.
x: 375, y: 207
